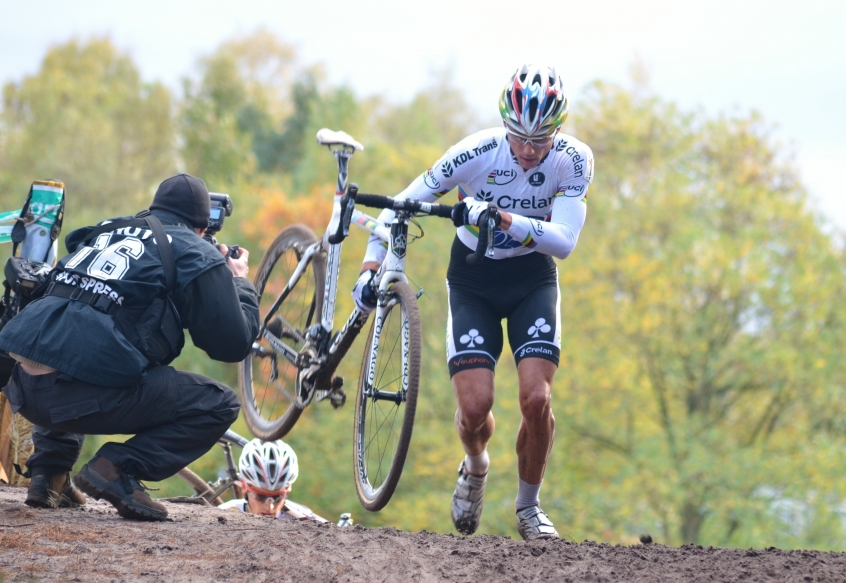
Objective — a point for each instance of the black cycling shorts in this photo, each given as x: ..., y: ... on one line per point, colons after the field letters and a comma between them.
x: 523, y: 290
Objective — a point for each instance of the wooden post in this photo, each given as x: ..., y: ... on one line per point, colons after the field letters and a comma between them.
x: 15, y: 444
x: 5, y: 439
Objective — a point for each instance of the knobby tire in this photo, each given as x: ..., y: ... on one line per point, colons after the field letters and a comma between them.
x: 270, y: 413
x: 380, y: 448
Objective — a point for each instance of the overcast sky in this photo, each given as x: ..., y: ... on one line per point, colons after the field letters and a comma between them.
x: 784, y: 59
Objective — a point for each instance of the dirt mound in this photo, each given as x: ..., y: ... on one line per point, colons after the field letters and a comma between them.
x: 198, y: 543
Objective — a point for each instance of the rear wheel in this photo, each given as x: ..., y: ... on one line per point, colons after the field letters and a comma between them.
x: 386, y: 400
x: 268, y: 376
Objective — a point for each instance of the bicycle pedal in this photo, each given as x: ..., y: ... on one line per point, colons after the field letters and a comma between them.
x: 338, y: 398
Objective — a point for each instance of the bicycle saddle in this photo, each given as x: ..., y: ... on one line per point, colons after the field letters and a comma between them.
x: 327, y: 137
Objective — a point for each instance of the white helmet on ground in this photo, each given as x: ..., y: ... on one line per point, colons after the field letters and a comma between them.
x: 268, y: 465
x: 533, y: 104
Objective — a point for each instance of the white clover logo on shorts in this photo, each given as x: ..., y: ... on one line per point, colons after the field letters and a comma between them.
x: 471, y: 338
x: 540, y: 326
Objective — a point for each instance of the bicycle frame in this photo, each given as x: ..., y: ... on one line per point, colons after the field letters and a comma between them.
x: 233, y: 479
x: 320, y: 356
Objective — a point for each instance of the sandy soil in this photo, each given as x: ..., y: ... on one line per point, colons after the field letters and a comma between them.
x: 197, y: 543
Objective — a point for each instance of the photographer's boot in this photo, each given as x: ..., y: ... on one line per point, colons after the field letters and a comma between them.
x: 101, y: 478
x: 53, y: 491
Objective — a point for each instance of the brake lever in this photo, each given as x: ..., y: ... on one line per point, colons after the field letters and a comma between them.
x: 347, y: 207
x: 485, y: 245
x: 491, y: 230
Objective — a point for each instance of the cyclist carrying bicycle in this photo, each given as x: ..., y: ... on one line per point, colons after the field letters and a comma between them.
x: 268, y: 469
x: 538, y: 179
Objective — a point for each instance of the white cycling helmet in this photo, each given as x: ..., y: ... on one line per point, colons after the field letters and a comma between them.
x: 533, y: 104
x: 268, y: 465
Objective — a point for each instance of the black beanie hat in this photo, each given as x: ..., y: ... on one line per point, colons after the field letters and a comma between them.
x: 186, y: 196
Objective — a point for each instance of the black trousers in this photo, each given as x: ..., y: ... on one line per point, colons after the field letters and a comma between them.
x: 175, y: 418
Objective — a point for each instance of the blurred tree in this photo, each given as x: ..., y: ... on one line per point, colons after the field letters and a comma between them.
x: 249, y: 111
x: 86, y: 118
x: 438, y: 115
x: 214, y: 147
x: 280, y: 151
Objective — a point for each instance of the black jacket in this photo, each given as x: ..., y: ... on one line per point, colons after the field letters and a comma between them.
x: 220, y: 311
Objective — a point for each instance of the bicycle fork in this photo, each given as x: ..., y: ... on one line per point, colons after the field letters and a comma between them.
x: 392, y: 270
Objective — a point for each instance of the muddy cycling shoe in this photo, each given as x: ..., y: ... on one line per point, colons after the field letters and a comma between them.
x: 53, y: 491
x: 101, y: 478
x: 467, y: 501
x: 534, y: 524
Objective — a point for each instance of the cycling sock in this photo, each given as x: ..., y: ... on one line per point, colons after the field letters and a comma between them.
x: 527, y: 495
x: 477, y: 464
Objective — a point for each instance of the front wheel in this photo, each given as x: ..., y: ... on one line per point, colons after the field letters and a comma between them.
x: 387, y: 397
x: 268, y: 376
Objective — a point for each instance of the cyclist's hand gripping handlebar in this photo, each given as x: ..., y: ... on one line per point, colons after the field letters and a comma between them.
x: 487, y: 228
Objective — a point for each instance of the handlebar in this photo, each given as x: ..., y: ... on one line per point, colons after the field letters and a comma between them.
x: 233, y: 437
x: 352, y: 197
x: 414, y: 206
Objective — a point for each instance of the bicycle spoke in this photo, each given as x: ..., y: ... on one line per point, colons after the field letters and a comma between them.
x: 384, y: 418
x: 290, y: 300
x: 382, y: 451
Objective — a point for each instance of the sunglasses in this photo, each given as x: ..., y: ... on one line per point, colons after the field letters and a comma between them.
x: 534, y: 142
x: 264, y: 498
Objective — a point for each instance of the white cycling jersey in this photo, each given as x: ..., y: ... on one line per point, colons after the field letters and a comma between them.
x: 547, y: 202
x: 290, y: 510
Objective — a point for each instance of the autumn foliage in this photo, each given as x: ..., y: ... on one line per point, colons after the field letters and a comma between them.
x: 700, y: 392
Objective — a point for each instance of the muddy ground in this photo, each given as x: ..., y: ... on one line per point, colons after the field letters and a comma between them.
x: 93, y: 544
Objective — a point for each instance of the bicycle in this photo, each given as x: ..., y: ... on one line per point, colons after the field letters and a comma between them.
x: 294, y: 358
x: 211, y: 492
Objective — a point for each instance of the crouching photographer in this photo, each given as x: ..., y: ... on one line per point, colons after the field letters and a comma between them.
x: 93, y: 352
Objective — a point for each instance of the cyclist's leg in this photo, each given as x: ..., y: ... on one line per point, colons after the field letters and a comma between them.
x: 474, y: 395
x: 534, y: 331
x: 474, y: 343
x: 537, y: 430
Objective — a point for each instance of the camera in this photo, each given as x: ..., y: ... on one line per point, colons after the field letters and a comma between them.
x: 221, y: 207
